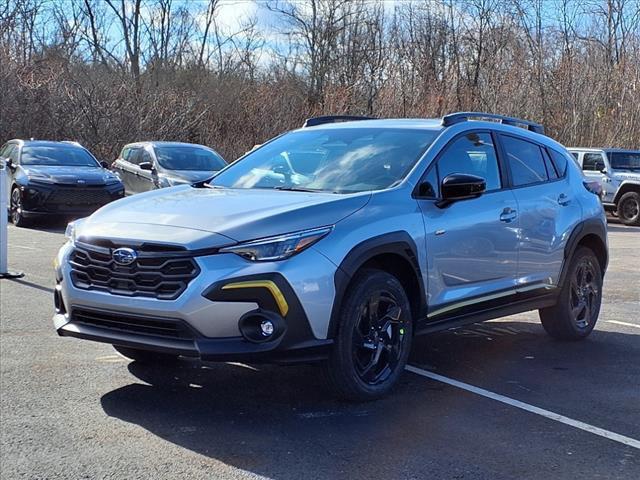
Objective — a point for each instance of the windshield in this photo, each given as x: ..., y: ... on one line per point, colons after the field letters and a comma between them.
x: 186, y: 157
x: 62, y: 155
x: 624, y: 160
x: 339, y: 160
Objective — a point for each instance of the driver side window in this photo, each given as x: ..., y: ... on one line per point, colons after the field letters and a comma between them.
x: 473, y: 153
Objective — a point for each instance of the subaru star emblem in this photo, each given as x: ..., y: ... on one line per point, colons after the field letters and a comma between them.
x: 124, y: 256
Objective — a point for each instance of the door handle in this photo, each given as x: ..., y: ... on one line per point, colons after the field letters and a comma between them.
x: 508, y: 215
x: 563, y: 200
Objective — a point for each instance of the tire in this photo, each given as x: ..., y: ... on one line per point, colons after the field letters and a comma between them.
x: 372, y: 344
x: 628, y: 208
x: 15, y: 209
x: 145, y: 356
x: 576, y: 312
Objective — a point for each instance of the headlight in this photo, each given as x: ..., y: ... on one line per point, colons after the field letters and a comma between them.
x: 72, y: 229
x: 278, y: 248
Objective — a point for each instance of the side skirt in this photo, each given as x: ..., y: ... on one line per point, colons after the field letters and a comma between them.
x: 482, y: 311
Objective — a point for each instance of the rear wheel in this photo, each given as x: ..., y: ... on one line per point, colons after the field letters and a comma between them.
x: 145, y: 356
x: 629, y: 208
x: 374, y: 337
x: 578, y: 307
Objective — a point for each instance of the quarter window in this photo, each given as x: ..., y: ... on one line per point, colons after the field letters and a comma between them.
x: 559, y: 160
x: 525, y: 161
x: 474, y: 154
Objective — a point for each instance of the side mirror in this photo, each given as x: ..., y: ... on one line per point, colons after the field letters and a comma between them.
x: 146, y: 166
x: 461, y: 186
x: 104, y: 164
x: 603, y: 169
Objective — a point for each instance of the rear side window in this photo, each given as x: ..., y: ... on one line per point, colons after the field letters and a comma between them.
x: 525, y: 161
x: 473, y: 153
x: 560, y: 161
x: 592, y: 161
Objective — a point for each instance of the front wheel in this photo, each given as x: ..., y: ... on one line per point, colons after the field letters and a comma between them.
x: 374, y: 337
x: 578, y: 307
x: 629, y: 208
x: 15, y: 209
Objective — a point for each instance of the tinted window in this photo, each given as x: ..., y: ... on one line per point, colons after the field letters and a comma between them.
x: 186, y: 157
x: 576, y: 155
x: 6, y: 150
x: 144, y: 157
x: 592, y: 161
x: 525, y: 160
x: 429, y: 184
x: 340, y: 159
x: 57, y: 155
x: 551, y: 169
x: 133, y: 155
x: 560, y: 161
x: 473, y: 153
x: 625, y: 160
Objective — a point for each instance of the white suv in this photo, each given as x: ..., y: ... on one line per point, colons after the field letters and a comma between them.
x: 618, y: 173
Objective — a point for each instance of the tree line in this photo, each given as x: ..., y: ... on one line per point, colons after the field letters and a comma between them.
x: 108, y: 72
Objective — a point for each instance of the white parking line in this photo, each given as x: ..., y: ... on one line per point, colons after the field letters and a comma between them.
x: 626, y: 324
x: 631, y: 442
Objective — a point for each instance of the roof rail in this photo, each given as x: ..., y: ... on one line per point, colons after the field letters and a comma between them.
x: 312, y: 122
x: 458, y: 117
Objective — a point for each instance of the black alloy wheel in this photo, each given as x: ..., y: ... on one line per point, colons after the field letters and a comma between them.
x: 15, y: 208
x: 629, y: 208
x: 584, y: 292
x: 576, y: 311
x: 372, y: 344
x: 378, y: 338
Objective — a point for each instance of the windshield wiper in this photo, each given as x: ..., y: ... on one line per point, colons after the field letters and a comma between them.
x: 299, y: 189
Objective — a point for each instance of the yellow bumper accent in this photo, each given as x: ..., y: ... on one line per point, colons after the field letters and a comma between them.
x: 283, y: 306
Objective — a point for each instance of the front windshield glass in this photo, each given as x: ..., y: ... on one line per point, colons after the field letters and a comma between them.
x: 624, y: 160
x: 186, y: 157
x: 59, y: 155
x: 340, y: 160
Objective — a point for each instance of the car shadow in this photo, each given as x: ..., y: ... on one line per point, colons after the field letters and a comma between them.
x: 283, y: 422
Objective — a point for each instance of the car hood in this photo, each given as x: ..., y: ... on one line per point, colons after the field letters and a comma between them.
x: 68, y: 174
x: 189, y: 176
x: 230, y: 215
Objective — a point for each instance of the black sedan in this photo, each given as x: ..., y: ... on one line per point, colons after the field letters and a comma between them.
x: 60, y: 179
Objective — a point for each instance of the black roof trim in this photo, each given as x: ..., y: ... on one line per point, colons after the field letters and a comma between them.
x: 312, y: 122
x: 459, y: 117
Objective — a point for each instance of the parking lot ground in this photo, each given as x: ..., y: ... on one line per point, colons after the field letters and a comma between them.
x: 75, y: 409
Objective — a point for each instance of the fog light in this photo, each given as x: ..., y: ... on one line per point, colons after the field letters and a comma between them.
x: 266, y: 328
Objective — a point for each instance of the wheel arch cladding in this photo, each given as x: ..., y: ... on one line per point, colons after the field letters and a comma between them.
x: 395, y: 253
x: 591, y: 233
x: 626, y: 187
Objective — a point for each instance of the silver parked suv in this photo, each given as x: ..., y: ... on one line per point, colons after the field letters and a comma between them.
x: 340, y: 241
x: 618, y: 173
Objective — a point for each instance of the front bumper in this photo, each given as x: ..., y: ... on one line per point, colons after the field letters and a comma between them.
x: 51, y: 200
x: 209, y: 313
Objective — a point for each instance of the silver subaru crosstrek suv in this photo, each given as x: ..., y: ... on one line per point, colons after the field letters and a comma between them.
x: 339, y: 242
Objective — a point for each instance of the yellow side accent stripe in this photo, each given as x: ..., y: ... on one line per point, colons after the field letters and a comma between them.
x: 283, y: 306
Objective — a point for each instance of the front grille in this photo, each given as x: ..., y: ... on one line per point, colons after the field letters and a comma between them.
x: 152, y: 275
x: 124, y: 322
x: 79, y: 196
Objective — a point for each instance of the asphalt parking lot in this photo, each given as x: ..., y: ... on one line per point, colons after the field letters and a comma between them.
x: 75, y: 409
